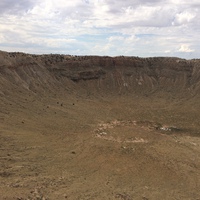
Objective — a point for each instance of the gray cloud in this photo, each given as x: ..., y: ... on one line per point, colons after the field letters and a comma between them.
x: 16, y: 7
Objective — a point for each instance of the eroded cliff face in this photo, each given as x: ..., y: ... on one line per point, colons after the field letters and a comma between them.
x: 108, y: 75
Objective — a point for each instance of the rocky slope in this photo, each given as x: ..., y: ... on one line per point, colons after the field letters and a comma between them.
x: 116, y: 75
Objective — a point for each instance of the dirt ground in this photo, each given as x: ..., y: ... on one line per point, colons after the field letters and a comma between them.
x: 99, y: 148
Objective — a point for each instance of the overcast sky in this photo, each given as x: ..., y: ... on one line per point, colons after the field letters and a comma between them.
x: 102, y: 27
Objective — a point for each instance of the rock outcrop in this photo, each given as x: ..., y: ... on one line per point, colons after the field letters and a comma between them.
x: 118, y: 75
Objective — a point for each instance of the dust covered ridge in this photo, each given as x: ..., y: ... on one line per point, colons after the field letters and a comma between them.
x: 116, y: 75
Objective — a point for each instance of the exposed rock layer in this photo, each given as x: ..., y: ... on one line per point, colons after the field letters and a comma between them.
x: 118, y: 75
